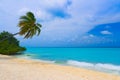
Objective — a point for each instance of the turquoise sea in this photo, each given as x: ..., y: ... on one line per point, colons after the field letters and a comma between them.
x: 100, y: 59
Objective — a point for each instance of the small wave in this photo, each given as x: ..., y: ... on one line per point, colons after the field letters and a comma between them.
x: 45, y: 61
x: 110, y: 68
x: 81, y: 64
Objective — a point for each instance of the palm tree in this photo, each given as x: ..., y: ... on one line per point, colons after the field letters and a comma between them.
x: 28, y: 26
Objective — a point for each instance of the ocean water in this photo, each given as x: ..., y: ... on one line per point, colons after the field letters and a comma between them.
x: 100, y: 59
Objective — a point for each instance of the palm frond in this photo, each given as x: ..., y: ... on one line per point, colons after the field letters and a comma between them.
x: 23, y: 23
x: 31, y: 16
x: 38, y: 30
x: 39, y: 25
x: 25, y: 18
x: 27, y: 35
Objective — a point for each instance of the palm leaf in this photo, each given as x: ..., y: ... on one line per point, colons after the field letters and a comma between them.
x: 25, y: 18
x: 38, y: 30
x: 23, y: 23
x: 39, y: 25
x: 31, y: 16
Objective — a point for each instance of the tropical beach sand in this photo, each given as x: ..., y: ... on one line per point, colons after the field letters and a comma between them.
x: 12, y: 68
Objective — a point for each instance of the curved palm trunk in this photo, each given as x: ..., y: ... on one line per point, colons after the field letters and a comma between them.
x: 16, y: 33
x: 9, y: 37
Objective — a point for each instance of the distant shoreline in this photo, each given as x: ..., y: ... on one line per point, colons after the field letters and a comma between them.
x: 73, y: 47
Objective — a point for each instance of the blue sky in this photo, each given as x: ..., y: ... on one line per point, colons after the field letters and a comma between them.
x: 66, y: 23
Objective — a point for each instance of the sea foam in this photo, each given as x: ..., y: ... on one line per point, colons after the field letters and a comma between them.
x: 110, y: 68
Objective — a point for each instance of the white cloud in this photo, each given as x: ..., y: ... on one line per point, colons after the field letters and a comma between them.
x: 84, y: 16
x: 88, y: 36
x: 105, y: 32
x: 23, y: 11
x: 53, y: 3
x: 91, y: 35
x: 39, y: 13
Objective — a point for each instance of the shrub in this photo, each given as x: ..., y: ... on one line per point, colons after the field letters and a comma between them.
x: 9, y: 45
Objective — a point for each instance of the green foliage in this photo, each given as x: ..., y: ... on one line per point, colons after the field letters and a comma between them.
x: 28, y: 25
x: 10, y: 45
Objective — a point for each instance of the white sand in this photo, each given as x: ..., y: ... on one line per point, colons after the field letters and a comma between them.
x: 19, y: 69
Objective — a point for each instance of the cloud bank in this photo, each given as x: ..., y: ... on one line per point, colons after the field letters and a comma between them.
x: 64, y: 22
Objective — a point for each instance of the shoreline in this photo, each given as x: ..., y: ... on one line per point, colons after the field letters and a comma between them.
x: 99, y: 67
x: 14, y: 68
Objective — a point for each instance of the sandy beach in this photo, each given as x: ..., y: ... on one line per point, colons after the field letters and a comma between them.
x: 12, y: 68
